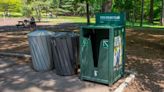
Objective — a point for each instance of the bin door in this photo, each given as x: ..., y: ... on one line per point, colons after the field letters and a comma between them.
x: 91, y: 72
x: 86, y: 61
x: 103, y: 62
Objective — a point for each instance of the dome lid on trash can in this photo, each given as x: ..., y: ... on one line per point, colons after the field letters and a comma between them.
x: 64, y: 34
x: 40, y: 33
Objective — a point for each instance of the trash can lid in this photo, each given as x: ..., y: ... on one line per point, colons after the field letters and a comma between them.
x: 64, y: 34
x: 40, y: 33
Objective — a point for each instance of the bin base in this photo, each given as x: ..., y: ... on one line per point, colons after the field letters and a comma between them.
x: 86, y: 78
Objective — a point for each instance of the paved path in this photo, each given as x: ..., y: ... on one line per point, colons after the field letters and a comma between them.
x: 14, y: 21
x: 21, y: 78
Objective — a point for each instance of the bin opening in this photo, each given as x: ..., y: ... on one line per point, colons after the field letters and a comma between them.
x: 96, y: 36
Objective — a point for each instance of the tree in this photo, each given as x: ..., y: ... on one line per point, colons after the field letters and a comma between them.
x: 128, y: 9
x: 87, y: 10
x: 142, y: 12
x: 151, y: 12
x: 60, y: 3
x: 162, y: 14
x: 27, y: 10
x: 39, y: 6
x: 107, y: 6
x: 10, y: 6
x: 88, y: 13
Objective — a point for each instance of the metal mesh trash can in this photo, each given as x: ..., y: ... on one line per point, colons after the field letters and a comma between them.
x: 40, y: 47
x: 65, y: 52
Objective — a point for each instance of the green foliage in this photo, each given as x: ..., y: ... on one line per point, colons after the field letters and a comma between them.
x: 132, y: 8
x: 27, y: 10
x: 36, y: 6
x: 10, y: 5
x: 66, y: 7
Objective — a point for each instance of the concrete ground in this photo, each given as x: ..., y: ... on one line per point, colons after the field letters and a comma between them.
x: 17, y: 77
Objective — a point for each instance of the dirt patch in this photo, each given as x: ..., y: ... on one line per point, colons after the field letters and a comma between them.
x: 14, y: 42
x: 145, y: 55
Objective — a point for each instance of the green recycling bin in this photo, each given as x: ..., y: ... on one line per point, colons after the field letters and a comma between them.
x: 102, y: 49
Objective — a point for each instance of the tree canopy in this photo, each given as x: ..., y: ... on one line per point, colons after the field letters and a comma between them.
x: 10, y: 5
x: 152, y: 9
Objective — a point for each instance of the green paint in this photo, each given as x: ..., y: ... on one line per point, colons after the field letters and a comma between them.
x: 104, y: 72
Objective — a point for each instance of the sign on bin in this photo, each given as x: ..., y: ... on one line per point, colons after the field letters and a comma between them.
x: 117, y: 53
x: 105, y: 43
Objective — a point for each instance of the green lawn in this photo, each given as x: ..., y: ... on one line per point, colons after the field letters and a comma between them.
x: 83, y: 20
x: 145, y: 25
x: 12, y: 14
x: 70, y: 19
x: 75, y: 19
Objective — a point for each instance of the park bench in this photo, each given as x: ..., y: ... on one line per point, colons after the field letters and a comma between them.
x: 20, y: 24
x: 25, y: 24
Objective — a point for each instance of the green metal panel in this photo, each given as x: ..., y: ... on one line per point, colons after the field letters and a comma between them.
x: 86, y: 56
x: 111, y: 53
x: 110, y: 19
x: 100, y: 73
x: 124, y: 46
x: 102, y: 26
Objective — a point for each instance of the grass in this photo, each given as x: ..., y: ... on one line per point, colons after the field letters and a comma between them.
x: 145, y: 25
x: 75, y: 19
x: 83, y: 20
x: 12, y: 14
x: 70, y: 19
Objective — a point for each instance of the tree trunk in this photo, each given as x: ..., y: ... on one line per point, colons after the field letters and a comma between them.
x: 162, y: 14
x: 88, y: 14
x: 134, y: 13
x: 39, y: 17
x: 60, y: 3
x: 107, y: 6
x: 127, y: 14
x: 142, y: 13
x: 38, y: 13
x: 151, y: 12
